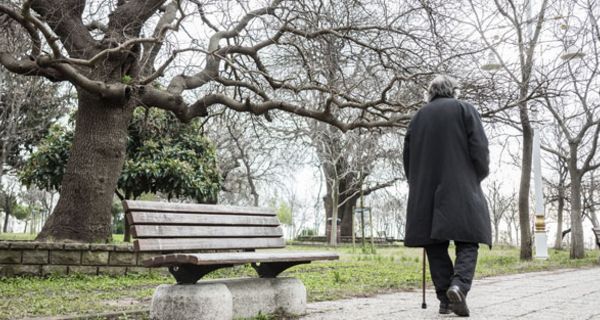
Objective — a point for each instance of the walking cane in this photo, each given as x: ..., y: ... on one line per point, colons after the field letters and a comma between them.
x: 424, y: 304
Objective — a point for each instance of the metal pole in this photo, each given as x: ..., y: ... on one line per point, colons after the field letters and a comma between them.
x: 362, y: 222
x: 371, y: 227
x: 541, y: 241
x: 353, y: 230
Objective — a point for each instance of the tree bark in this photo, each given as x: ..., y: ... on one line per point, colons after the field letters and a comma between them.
x: 95, y: 163
x: 6, y: 213
x: 347, y: 216
x: 525, y: 225
x: 577, y: 246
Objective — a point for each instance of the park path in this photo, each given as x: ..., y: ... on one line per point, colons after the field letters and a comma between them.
x: 560, y: 294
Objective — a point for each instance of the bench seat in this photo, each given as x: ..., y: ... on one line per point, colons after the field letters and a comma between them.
x: 188, y: 234
x: 236, y: 258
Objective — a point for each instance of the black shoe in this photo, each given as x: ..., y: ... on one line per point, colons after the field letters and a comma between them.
x: 445, y: 308
x: 458, y: 301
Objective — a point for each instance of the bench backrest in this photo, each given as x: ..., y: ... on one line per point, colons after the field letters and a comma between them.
x: 172, y: 227
x: 597, y: 234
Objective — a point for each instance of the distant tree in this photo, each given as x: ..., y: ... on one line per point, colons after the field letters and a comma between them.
x: 499, y: 204
x: 284, y: 213
x: 8, y: 203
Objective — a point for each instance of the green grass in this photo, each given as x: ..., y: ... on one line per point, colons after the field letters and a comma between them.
x: 17, y: 236
x: 117, y: 238
x: 356, y: 274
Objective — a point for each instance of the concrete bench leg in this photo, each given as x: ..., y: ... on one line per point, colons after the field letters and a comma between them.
x: 266, y: 295
x: 228, y: 299
x: 202, y: 301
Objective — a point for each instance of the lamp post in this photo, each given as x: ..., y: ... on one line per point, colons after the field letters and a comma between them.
x: 541, y: 238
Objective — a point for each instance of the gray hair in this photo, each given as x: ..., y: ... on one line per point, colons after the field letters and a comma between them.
x: 442, y: 86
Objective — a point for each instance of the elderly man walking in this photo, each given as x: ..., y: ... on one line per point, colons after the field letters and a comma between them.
x: 445, y: 159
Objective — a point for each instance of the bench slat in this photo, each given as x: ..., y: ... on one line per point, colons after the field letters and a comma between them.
x: 236, y: 258
x: 170, y: 231
x: 181, y: 244
x: 130, y: 205
x: 199, y: 219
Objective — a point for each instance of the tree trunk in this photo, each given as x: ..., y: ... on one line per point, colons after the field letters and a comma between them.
x: 559, y: 218
x: 347, y: 216
x: 95, y: 163
x: 525, y: 226
x: 126, y: 230
x: 577, y: 247
x: 594, y: 218
x: 496, y: 227
x: 7, y: 212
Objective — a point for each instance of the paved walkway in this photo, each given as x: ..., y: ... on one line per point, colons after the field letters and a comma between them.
x: 562, y: 294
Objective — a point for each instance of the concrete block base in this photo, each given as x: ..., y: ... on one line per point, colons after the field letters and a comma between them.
x: 229, y: 299
x: 189, y: 302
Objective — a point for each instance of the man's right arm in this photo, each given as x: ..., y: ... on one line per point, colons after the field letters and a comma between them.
x: 406, y: 152
x: 477, y: 141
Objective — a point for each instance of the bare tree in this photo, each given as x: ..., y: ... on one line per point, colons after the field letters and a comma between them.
x: 499, y: 205
x: 123, y: 54
x: 590, y: 199
x: 522, y: 32
x: 579, y: 122
x: 512, y: 221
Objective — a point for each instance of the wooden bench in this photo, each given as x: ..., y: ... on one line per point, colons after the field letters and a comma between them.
x: 179, y: 230
x: 597, y: 234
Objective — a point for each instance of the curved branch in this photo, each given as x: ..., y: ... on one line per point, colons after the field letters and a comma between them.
x: 153, y: 97
x: 28, y: 67
x: 182, y: 82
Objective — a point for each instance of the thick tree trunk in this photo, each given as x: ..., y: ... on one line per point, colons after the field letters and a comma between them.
x: 347, y: 216
x: 577, y: 247
x: 95, y: 163
x: 559, y: 218
x: 525, y: 225
x: 345, y: 212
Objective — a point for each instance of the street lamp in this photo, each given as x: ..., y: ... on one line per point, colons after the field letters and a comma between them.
x: 492, y: 64
x: 571, y: 52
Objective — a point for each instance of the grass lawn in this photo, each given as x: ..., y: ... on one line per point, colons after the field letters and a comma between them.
x: 17, y: 236
x: 356, y: 274
x: 117, y: 238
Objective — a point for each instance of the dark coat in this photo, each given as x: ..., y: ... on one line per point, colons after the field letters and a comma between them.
x: 445, y: 159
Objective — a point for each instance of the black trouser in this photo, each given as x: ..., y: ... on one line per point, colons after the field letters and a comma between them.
x: 444, y: 274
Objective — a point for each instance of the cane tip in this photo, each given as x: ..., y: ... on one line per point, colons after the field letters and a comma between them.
x: 424, y: 305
